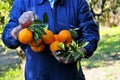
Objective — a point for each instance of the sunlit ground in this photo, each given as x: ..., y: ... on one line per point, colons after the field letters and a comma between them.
x: 105, y: 62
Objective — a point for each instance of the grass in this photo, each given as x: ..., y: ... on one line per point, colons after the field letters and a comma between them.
x: 11, y: 74
x: 104, y: 64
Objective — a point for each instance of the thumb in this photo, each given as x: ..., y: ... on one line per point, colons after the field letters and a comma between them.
x: 34, y: 16
x: 56, y: 53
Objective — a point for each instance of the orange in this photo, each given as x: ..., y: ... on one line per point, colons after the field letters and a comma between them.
x: 65, y: 36
x: 34, y: 44
x: 48, y: 37
x: 56, y: 37
x: 54, y: 46
x: 25, y: 36
x: 39, y: 48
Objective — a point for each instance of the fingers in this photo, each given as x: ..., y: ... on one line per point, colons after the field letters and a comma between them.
x: 15, y: 31
x: 71, y: 60
x: 55, y: 53
x: 62, y: 59
x: 26, y: 18
x: 33, y: 16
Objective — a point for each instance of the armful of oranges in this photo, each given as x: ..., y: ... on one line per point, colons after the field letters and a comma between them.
x: 37, y: 36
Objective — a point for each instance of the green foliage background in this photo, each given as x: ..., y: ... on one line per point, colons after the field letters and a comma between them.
x: 5, y: 6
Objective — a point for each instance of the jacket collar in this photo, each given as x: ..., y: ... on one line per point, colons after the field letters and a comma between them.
x: 41, y: 1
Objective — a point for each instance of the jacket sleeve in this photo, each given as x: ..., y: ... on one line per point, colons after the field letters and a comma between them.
x: 88, y: 28
x: 15, y: 13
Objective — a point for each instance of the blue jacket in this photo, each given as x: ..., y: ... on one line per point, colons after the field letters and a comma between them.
x: 66, y: 13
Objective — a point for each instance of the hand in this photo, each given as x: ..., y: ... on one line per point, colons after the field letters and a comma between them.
x: 26, y: 19
x: 71, y: 60
x: 83, y: 50
x: 61, y: 59
x: 15, y: 31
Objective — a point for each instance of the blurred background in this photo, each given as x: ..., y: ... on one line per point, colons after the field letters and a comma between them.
x: 103, y: 65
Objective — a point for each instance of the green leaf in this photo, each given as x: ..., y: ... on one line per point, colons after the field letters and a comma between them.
x: 31, y: 28
x: 45, y: 26
x: 67, y: 57
x: 41, y: 25
x: 72, y: 47
x: 36, y: 22
x: 81, y: 54
x: 45, y: 18
x: 78, y: 64
x: 61, y: 45
x: 36, y: 37
x: 40, y: 31
x: 82, y: 43
x: 74, y: 33
x: 62, y: 53
x: 76, y: 56
x: 73, y: 43
x: 37, y: 31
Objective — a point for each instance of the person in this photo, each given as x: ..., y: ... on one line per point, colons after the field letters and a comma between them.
x: 62, y: 14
